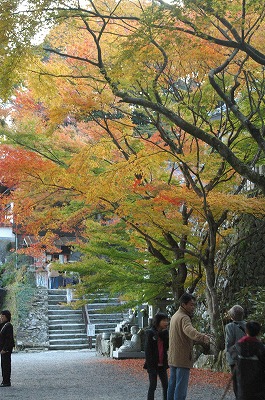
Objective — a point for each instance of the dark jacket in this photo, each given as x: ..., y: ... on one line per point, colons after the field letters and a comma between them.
x: 250, y: 368
x: 151, y: 348
x: 6, y: 337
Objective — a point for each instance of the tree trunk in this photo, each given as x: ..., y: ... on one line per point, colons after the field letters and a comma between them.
x: 211, y: 289
x: 214, y: 311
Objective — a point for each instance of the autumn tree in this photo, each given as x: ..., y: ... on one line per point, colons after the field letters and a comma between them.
x: 235, y: 78
x: 105, y: 64
x: 173, y: 204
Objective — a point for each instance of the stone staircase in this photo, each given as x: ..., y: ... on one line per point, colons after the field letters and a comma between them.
x: 67, y: 330
x: 105, y: 321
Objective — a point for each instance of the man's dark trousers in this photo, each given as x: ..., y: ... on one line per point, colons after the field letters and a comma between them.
x: 6, y: 367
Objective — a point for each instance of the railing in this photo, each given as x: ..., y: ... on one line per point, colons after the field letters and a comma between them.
x: 90, y: 328
x: 85, y: 314
x: 69, y: 295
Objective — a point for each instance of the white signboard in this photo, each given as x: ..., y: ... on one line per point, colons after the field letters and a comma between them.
x: 91, y: 329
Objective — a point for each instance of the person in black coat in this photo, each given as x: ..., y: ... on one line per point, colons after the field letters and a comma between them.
x: 250, y: 364
x: 6, y: 346
x: 156, y: 347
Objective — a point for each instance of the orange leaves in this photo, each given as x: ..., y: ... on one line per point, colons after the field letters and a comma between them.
x: 143, y: 171
x: 176, y: 201
x: 35, y: 250
x: 136, y: 183
x: 18, y: 164
x: 40, y: 245
x: 198, y: 376
x: 24, y: 104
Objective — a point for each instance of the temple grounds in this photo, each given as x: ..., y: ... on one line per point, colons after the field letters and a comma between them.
x: 82, y: 375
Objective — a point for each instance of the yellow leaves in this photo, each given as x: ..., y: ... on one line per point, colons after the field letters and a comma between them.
x: 61, y: 97
x: 89, y: 134
x: 241, y: 204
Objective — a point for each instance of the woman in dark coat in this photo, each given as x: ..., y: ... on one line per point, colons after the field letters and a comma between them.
x: 250, y: 366
x: 6, y: 346
x: 156, y: 347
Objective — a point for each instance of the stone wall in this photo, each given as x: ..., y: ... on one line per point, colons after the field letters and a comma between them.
x: 32, y: 331
x: 5, y: 245
x: 247, y: 262
x: 2, y: 296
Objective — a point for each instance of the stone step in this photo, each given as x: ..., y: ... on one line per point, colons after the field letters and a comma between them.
x: 57, y: 291
x: 81, y: 346
x: 54, y: 313
x: 76, y: 331
x: 104, y: 300
x: 66, y: 322
x: 105, y: 321
x: 66, y: 325
x: 67, y: 329
x: 105, y: 329
x: 100, y: 306
x: 59, y: 302
x: 61, y: 295
x: 58, y: 307
x: 64, y: 307
x: 64, y: 312
x: 106, y: 317
x: 104, y: 325
x: 68, y: 341
x: 69, y: 335
x: 66, y: 318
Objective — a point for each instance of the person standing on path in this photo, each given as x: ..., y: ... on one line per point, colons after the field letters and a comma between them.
x: 156, y: 347
x: 234, y: 331
x: 182, y: 336
x: 6, y: 346
x: 250, y: 364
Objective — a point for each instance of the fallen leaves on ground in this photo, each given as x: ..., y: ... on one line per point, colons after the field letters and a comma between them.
x: 197, y: 376
x: 208, y: 377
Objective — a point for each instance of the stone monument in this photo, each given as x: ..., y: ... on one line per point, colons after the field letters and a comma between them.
x: 130, y: 348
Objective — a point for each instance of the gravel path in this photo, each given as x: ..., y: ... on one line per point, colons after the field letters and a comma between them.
x: 82, y: 375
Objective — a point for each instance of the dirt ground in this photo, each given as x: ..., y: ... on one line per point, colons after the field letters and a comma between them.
x: 82, y: 375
